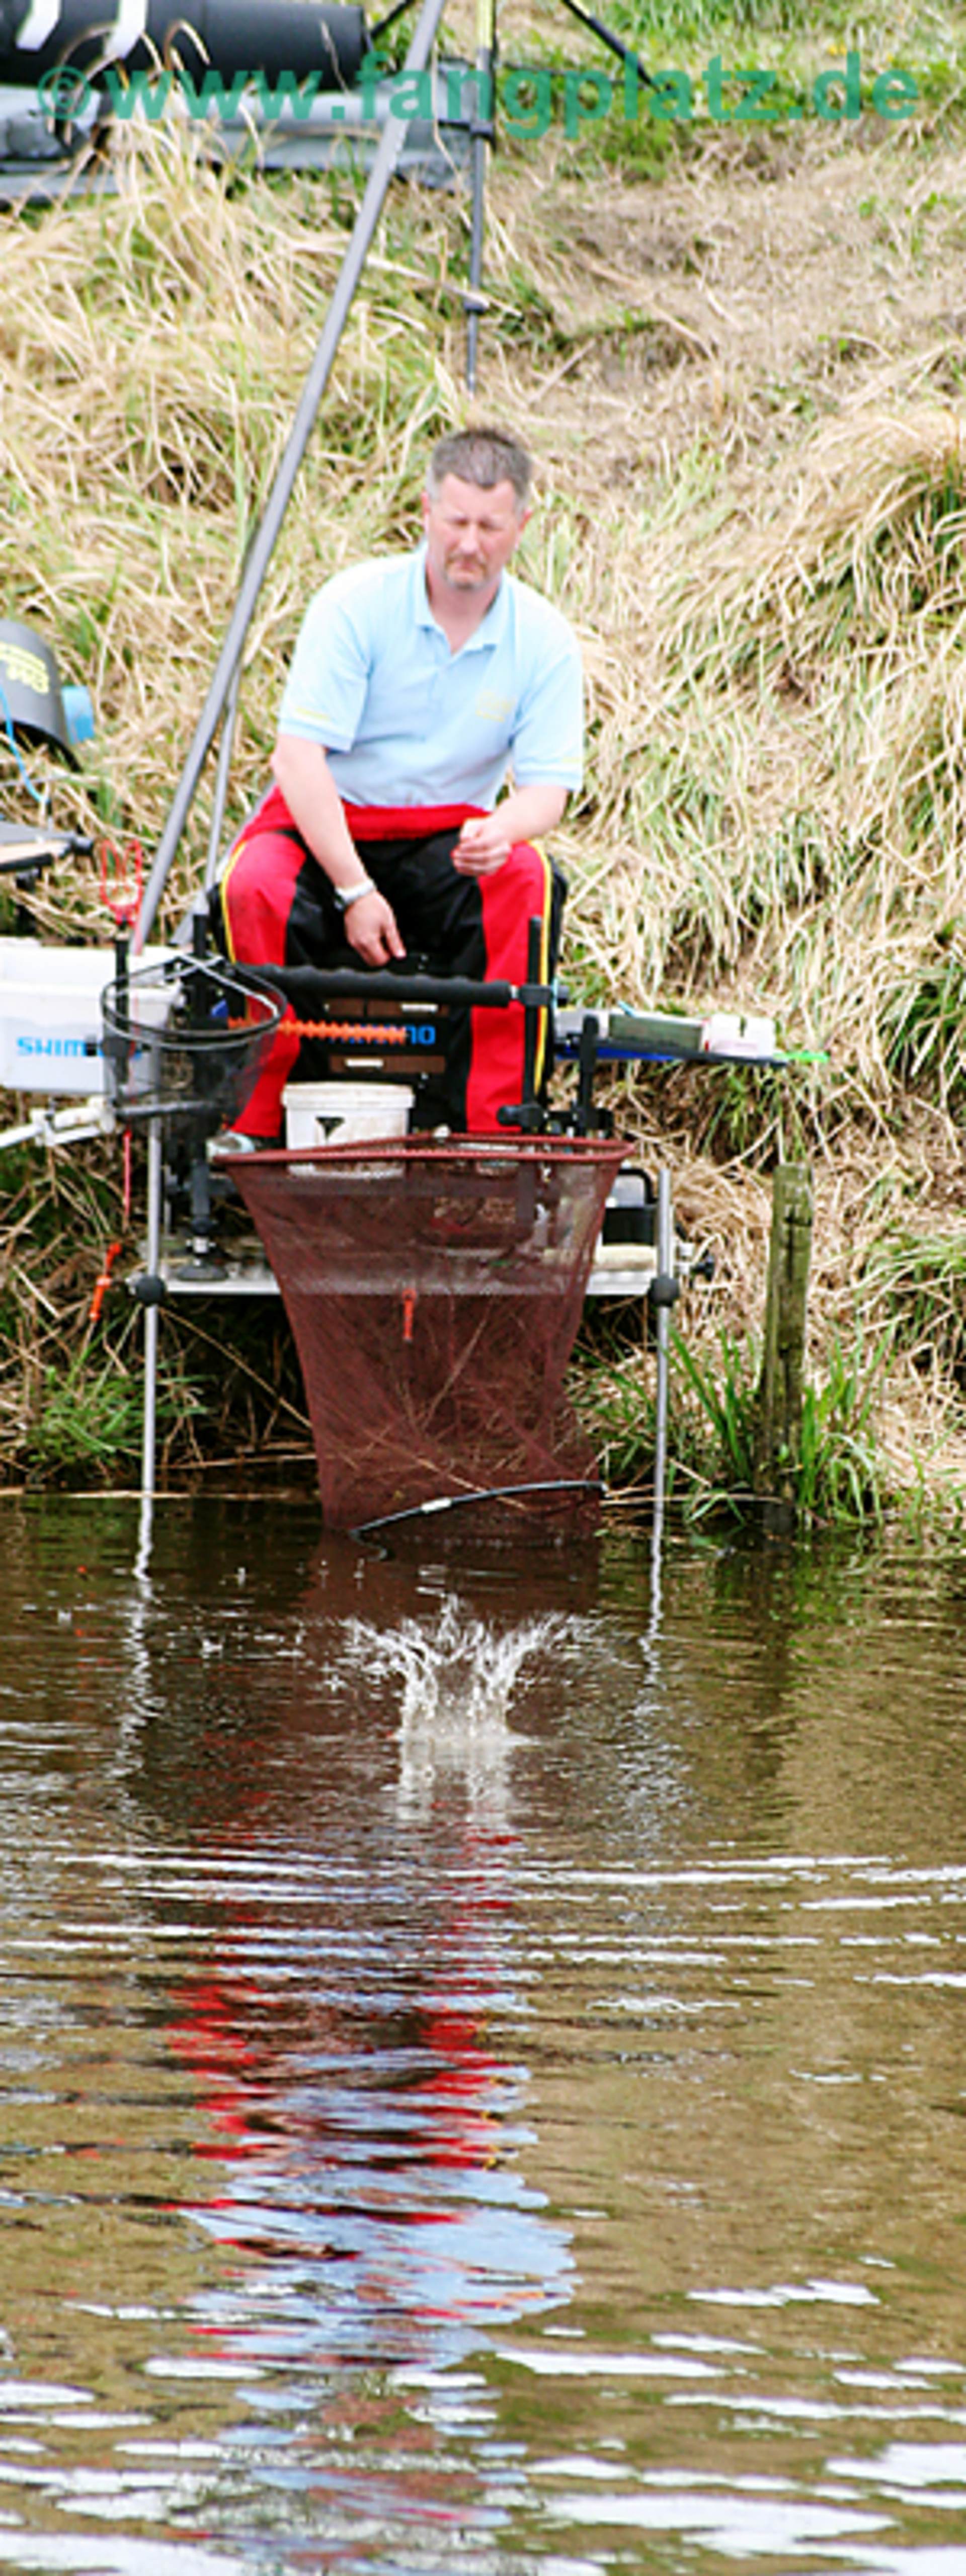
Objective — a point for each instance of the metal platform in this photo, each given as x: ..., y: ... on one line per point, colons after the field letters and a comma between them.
x: 246, y: 1273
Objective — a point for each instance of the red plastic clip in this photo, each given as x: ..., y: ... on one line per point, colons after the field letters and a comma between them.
x: 409, y: 1313
x: 102, y: 1284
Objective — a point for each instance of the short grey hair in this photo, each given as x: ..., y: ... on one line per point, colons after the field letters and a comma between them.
x: 484, y: 456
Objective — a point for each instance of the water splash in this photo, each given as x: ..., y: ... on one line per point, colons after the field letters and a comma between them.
x: 458, y: 1678
x: 459, y: 1670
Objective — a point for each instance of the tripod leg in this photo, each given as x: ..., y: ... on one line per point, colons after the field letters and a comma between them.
x: 625, y: 53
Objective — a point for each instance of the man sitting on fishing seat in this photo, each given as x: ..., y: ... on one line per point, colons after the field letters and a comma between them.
x: 417, y: 681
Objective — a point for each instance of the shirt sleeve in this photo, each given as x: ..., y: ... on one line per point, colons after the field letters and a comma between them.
x: 326, y: 687
x: 548, y: 737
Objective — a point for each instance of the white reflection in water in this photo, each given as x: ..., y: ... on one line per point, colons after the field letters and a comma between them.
x: 107, y: 2556
x: 786, y: 2294
x: 738, y: 2526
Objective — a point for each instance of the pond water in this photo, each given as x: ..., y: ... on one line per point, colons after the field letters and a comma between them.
x: 483, y: 2070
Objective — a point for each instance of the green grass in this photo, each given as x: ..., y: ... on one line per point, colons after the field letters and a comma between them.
x: 85, y: 1419
x: 835, y: 1476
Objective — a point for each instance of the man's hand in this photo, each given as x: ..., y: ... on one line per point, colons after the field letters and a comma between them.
x: 370, y: 928
x: 482, y: 846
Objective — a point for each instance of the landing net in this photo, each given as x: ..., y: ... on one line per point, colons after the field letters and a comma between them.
x: 434, y: 1291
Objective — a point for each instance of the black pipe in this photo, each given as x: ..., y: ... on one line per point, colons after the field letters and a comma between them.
x: 225, y: 36
x: 599, y: 27
x: 398, y: 11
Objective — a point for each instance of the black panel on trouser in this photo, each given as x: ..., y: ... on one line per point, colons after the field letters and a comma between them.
x: 440, y: 918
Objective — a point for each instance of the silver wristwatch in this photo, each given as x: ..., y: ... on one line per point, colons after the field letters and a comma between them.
x: 343, y: 896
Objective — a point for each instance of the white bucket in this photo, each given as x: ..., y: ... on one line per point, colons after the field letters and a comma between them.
x: 344, y: 1113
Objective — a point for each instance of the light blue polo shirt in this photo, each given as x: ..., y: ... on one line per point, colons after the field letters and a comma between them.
x: 408, y: 722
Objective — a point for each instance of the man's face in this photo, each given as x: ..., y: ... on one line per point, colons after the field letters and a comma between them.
x: 471, y: 533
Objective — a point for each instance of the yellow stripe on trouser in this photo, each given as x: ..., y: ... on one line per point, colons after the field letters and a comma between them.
x: 231, y: 861
x: 546, y: 917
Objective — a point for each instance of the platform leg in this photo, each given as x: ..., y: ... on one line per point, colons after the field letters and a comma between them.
x: 149, y: 1427
x: 665, y: 1286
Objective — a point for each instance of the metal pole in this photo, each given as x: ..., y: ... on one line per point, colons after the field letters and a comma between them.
x: 474, y: 301
x: 222, y: 775
x: 664, y: 1248
x: 266, y: 535
x: 149, y: 1429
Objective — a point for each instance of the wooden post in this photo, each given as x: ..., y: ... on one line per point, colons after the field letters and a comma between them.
x: 779, y: 1396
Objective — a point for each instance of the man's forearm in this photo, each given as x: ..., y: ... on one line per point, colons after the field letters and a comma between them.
x: 529, y: 811
x: 303, y: 774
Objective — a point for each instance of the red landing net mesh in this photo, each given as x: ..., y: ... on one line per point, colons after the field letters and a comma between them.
x: 434, y: 1291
